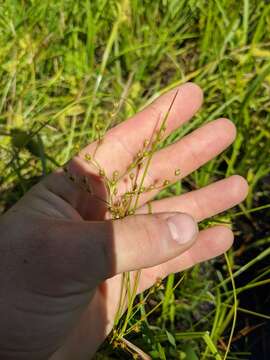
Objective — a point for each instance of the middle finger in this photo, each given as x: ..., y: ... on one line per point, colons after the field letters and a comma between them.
x: 186, y: 155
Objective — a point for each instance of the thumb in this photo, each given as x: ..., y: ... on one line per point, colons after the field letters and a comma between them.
x: 101, y: 249
x: 132, y: 243
x: 143, y: 241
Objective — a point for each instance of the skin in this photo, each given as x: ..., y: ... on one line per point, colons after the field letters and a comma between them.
x: 61, y: 256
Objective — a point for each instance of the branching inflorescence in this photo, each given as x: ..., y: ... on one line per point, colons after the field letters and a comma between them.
x: 122, y: 205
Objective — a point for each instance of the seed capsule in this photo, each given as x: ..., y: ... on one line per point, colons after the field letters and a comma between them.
x: 139, y: 155
x: 101, y: 172
x: 158, y: 283
x: 115, y: 175
x: 146, y: 143
x: 123, y: 345
x: 166, y: 183
x: 88, y: 157
x: 132, y: 166
x: 136, y: 328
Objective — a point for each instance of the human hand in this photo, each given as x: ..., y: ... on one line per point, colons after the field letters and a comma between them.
x: 61, y: 257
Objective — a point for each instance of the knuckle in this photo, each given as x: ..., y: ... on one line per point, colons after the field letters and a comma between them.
x: 150, y: 234
x: 198, y: 207
x: 155, y: 111
x: 195, y: 158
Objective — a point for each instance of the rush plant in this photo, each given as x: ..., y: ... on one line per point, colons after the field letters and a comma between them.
x: 120, y: 205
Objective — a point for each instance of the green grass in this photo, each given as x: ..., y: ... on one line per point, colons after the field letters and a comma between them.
x: 68, y: 68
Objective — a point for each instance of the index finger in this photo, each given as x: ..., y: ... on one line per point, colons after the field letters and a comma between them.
x: 121, y: 144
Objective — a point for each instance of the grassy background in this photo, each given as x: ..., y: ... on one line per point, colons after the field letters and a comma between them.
x: 67, y: 66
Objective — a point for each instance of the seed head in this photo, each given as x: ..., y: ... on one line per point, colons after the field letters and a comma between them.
x: 101, y: 172
x: 132, y: 166
x: 146, y: 143
x: 115, y: 175
x: 88, y: 157
x: 158, y: 283
x: 136, y: 328
x: 164, y: 128
x: 139, y: 155
x: 123, y: 345
x: 166, y: 182
x: 159, y: 135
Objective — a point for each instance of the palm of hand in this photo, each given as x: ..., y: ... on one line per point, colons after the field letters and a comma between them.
x: 65, y: 207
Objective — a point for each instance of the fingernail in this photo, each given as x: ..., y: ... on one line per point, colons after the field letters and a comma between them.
x: 182, y: 227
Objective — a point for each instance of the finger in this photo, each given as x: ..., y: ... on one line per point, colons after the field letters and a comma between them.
x: 122, y: 143
x: 206, y: 202
x: 187, y: 155
x: 210, y: 243
x: 146, y: 240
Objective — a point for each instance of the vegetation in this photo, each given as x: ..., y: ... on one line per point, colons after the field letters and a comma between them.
x: 71, y: 69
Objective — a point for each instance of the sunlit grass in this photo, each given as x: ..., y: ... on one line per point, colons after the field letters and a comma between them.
x: 69, y: 70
